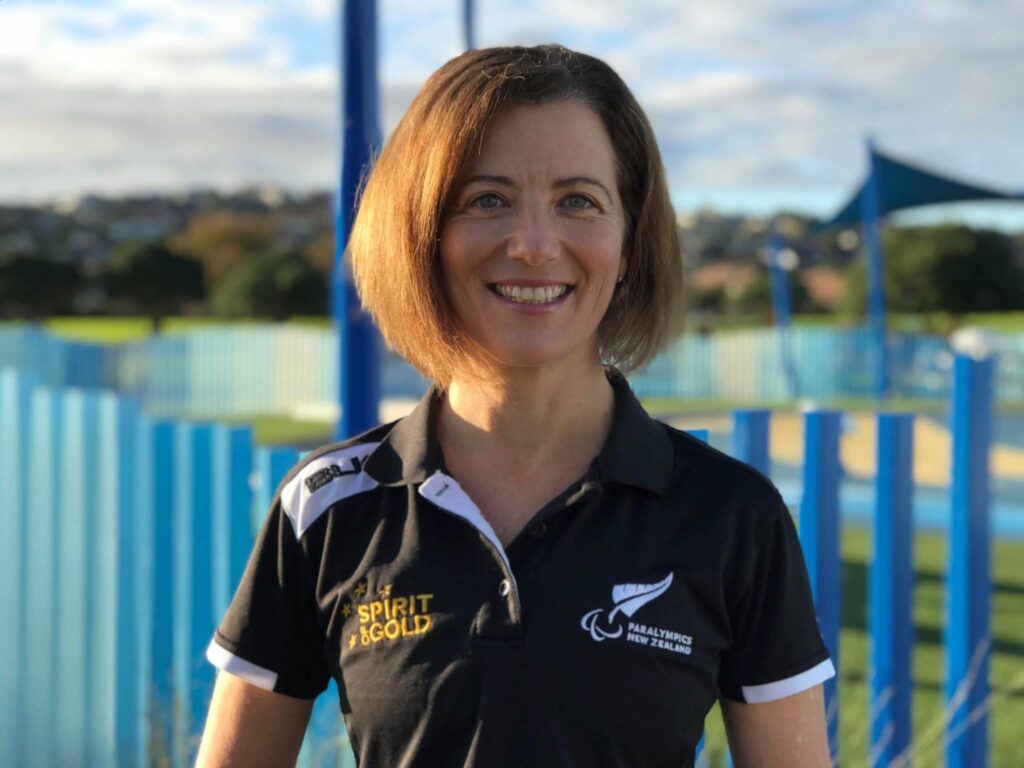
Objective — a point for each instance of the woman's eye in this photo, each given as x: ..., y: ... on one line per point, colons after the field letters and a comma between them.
x: 579, y: 202
x: 487, y: 202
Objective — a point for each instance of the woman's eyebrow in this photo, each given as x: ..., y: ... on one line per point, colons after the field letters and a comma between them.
x: 568, y: 181
x: 489, y: 179
x: 572, y: 181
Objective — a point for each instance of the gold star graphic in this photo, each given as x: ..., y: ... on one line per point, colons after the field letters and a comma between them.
x: 385, y: 591
x: 352, y: 641
x: 346, y: 610
x: 360, y: 590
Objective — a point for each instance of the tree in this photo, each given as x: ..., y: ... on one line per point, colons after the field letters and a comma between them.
x: 223, y: 240
x: 35, y: 287
x: 319, y: 254
x: 271, y: 285
x: 948, y: 268
x: 146, y: 278
x: 755, y: 298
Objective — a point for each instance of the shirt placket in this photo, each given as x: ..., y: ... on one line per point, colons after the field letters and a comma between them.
x: 499, y: 619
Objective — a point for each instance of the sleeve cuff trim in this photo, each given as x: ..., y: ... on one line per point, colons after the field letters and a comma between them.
x: 759, y: 694
x: 226, y: 661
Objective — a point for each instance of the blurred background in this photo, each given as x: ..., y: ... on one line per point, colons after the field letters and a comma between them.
x: 134, y: 132
x: 168, y: 178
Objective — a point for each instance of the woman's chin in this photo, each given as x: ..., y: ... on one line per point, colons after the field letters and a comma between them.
x: 544, y: 356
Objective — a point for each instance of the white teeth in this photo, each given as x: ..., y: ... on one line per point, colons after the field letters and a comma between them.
x: 530, y: 295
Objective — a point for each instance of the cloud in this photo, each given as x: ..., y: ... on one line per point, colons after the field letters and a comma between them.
x: 145, y: 95
x: 743, y: 94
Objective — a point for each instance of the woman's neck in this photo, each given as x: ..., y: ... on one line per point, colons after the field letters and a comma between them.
x: 528, y: 416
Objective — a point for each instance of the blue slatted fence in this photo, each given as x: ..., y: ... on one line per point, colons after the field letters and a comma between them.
x: 205, y: 371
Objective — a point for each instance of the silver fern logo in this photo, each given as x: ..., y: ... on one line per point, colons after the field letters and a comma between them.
x: 628, y: 599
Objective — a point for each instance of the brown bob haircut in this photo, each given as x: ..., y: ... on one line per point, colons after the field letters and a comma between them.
x: 395, y: 239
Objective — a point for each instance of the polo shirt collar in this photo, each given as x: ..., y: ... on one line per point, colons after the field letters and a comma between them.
x: 638, y: 450
x: 410, y: 452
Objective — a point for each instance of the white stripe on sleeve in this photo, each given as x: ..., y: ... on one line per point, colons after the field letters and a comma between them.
x: 226, y: 661
x: 759, y: 694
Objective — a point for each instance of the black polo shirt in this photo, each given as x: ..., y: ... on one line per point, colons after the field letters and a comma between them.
x: 667, y: 576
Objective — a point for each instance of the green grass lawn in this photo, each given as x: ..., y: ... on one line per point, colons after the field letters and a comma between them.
x: 278, y: 430
x: 1007, y: 662
x: 122, y: 330
x: 933, y: 322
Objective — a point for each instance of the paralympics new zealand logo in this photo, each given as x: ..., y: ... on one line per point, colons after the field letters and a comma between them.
x: 627, y: 599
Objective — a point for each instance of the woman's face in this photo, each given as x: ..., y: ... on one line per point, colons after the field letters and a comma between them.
x: 531, y: 244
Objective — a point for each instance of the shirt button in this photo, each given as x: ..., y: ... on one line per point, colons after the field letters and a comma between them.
x: 505, y: 587
x: 539, y: 530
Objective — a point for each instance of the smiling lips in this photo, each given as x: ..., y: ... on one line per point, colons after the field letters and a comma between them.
x: 525, y: 294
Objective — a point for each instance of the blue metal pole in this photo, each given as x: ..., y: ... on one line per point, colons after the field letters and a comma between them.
x: 468, y: 26
x: 702, y: 435
x: 871, y: 215
x: 750, y: 444
x: 699, y: 759
x: 782, y: 310
x: 750, y: 438
x: 819, y: 537
x: 890, y: 589
x: 968, y: 638
x: 358, y: 376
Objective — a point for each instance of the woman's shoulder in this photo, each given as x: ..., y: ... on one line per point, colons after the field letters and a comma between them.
x: 328, y: 475
x: 361, y: 444
x: 714, y: 476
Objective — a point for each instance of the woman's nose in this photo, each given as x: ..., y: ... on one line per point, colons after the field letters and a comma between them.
x: 534, y: 239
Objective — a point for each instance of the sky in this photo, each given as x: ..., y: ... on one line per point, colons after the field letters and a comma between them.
x: 758, y: 105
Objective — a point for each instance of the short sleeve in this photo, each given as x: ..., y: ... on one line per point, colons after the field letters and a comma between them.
x: 777, y: 648
x: 270, y: 636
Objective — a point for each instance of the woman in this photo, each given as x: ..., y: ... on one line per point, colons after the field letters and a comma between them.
x: 527, y: 570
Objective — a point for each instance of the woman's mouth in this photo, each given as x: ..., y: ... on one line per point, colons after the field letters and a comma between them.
x: 526, y: 294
